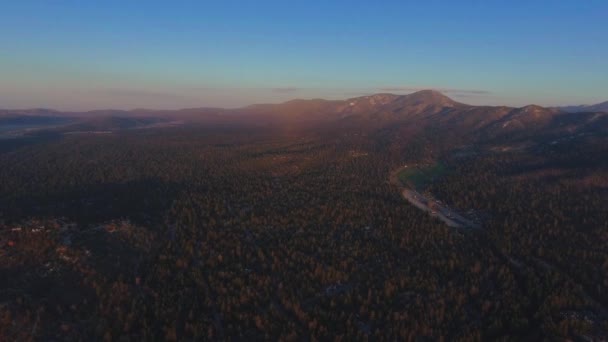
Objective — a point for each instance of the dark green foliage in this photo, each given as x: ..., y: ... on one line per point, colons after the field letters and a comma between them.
x: 202, y: 234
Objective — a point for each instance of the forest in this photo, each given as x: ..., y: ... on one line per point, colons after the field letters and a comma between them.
x: 206, y: 233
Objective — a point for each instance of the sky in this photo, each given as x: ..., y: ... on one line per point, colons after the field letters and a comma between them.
x: 84, y: 55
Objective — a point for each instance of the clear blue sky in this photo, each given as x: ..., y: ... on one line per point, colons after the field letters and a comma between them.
x: 169, y: 54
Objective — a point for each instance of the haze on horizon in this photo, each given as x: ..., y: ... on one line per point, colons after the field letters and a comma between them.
x: 72, y: 55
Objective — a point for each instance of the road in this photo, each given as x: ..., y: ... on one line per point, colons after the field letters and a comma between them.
x: 436, y: 209
x: 427, y: 203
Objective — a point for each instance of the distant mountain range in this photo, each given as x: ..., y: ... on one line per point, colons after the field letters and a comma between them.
x: 419, y: 110
x: 600, y: 107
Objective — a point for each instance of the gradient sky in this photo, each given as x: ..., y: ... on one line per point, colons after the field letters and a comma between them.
x: 80, y: 55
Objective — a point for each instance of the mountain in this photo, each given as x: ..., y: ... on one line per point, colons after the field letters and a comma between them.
x: 378, y: 106
x: 527, y: 117
x: 400, y: 113
x: 424, y: 101
x: 397, y: 118
x: 599, y: 107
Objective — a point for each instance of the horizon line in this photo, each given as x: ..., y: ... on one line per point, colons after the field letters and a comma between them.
x: 387, y: 92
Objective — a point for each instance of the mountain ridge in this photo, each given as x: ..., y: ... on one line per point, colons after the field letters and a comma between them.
x: 425, y: 108
x: 598, y: 107
x: 427, y: 96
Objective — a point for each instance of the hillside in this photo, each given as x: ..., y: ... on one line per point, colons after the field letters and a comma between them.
x: 600, y: 107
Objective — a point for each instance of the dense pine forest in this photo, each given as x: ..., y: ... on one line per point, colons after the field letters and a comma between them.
x: 227, y: 232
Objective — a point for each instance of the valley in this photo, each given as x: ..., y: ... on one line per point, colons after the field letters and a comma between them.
x: 279, y: 220
x: 304, y: 171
